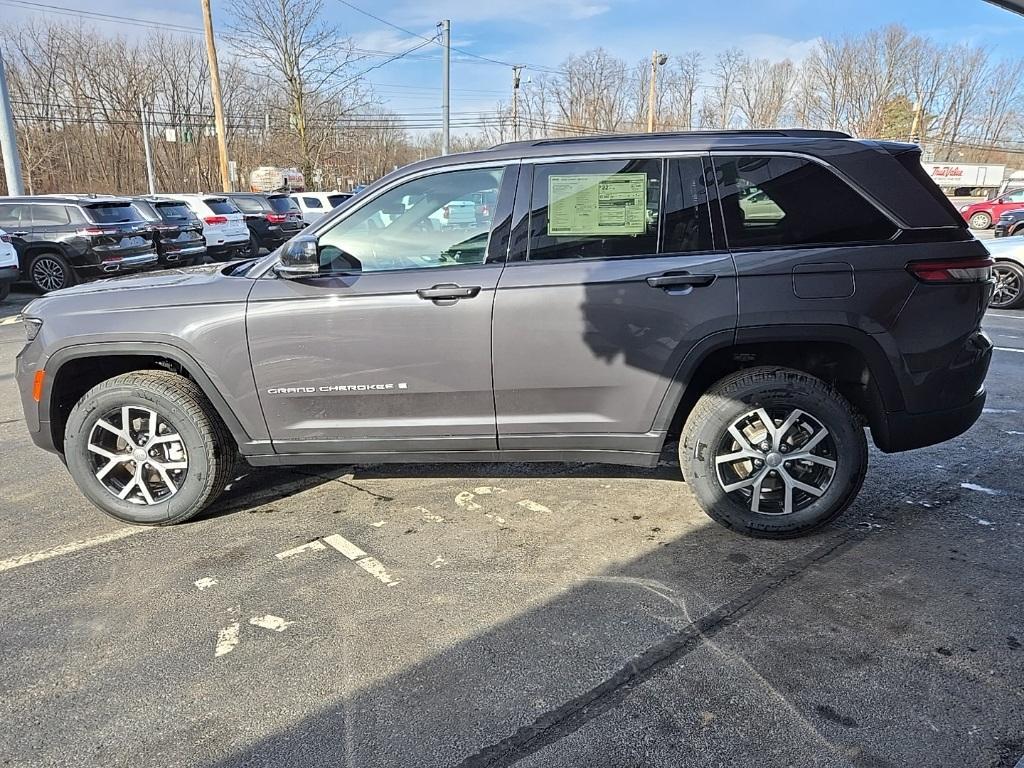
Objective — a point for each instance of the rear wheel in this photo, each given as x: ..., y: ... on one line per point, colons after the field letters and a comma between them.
x: 1009, y: 290
x: 147, y: 448
x: 980, y: 220
x: 773, y: 452
x: 50, y: 272
x: 5, y: 290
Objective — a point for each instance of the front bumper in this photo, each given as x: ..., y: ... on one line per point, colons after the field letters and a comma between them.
x: 9, y: 274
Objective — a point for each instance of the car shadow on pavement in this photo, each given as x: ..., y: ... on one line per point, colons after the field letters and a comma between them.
x: 707, y: 649
x: 258, y: 486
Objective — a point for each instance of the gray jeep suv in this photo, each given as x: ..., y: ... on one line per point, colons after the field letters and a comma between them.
x: 765, y: 295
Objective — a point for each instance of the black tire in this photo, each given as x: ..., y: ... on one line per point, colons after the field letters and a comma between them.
x: 5, y: 290
x: 706, y: 436
x: 50, y: 272
x: 209, y: 449
x: 1009, y: 290
x: 254, y: 247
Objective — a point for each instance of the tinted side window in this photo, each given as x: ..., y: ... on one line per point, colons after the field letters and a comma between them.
x: 283, y: 204
x: 687, y: 211
x: 311, y: 202
x: 49, y: 215
x: 1016, y: 196
x: 112, y: 213
x: 786, y: 201
x: 336, y: 200
x: 595, y: 209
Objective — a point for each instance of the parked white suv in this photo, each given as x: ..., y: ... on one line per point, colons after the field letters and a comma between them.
x: 314, y: 205
x: 227, y: 236
x: 9, y: 270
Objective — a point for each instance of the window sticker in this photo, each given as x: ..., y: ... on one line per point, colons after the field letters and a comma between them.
x: 597, y: 204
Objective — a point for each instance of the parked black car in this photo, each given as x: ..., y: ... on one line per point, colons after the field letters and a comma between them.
x: 177, y: 231
x: 271, y: 218
x: 1010, y: 223
x: 62, y: 240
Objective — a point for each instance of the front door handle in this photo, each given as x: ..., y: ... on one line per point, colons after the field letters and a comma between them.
x: 448, y: 292
x: 680, y: 280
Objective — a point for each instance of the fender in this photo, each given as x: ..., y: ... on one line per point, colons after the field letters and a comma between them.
x: 867, y: 345
x: 246, y: 444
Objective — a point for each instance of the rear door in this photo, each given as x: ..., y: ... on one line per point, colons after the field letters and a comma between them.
x: 614, y: 275
x: 388, y: 348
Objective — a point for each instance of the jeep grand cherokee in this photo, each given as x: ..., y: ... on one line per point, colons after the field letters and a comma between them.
x: 765, y: 294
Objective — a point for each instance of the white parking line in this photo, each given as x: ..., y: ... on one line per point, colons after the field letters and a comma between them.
x: 313, y: 545
x: 64, y: 549
x: 1010, y: 349
x: 371, y: 565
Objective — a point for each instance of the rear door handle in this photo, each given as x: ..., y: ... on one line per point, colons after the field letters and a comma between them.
x: 448, y: 292
x: 680, y: 280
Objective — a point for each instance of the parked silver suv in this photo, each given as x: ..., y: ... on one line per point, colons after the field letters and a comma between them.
x: 765, y: 295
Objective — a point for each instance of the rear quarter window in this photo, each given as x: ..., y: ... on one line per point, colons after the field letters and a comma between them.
x: 780, y: 202
x: 249, y: 204
x: 336, y: 200
x: 312, y: 202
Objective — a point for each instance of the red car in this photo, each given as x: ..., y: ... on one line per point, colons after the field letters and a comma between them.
x: 981, y: 215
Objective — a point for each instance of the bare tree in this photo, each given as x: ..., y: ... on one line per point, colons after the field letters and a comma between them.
x: 764, y: 92
x: 719, y: 106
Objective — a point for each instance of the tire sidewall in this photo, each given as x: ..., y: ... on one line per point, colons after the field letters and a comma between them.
x: 76, y: 436
x: 701, y: 444
x: 69, y: 278
x: 980, y: 217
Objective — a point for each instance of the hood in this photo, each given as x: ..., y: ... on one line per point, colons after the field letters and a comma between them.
x: 187, y: 286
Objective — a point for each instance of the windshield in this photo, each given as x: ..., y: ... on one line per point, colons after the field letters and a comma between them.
x: 283, y: 204
x: 221, y: 205
x: 113, y: 213
x: 174, y: 210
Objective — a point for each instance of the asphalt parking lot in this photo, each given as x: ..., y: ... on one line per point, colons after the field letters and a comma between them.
x: 534, y: 615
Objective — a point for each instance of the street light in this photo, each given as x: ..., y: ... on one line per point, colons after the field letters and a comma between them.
x: 657, y: 60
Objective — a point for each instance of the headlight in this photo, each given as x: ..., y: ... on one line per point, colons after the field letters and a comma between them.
x: 32, y: 326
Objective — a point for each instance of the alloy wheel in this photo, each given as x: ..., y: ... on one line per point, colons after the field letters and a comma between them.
x: 776, y: 461
x: 1008, y: 286
x: 48, y: 274
x: 137, y: 455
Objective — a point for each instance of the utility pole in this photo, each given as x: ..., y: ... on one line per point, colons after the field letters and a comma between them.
x: 915, y: 128
x: 145, y: 145
x: 8, y: 138
x: 218, y: 104
x: 446, y: 41
x: 515, y: 102
x: 657, y: 60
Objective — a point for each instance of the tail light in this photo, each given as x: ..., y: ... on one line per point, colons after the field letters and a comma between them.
x: 277, y: 218
x: 445, y: 212
x: 974, y: 270
x: 485, y: 210
x: 92, y: 232
x: 216, y: 219
x: 5, y: 238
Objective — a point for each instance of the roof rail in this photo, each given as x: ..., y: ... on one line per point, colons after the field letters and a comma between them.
x: 794, y: 133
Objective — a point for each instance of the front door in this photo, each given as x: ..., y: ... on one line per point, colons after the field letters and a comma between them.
x: 614, y: 276
x: 388, y: 348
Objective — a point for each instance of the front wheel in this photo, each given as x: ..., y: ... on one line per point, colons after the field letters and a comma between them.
x: 1009, y: 290
x: 773, y: 452
x: 147, y: 448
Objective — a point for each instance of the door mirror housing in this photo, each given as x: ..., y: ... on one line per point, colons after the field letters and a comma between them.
x: 299, y: 258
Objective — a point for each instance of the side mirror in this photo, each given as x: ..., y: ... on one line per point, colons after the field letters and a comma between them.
x: 299, y: 258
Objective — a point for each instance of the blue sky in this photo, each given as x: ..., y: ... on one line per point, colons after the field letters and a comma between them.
x: 544, y: 32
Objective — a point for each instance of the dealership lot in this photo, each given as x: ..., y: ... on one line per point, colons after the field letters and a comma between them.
x: 537, y: 615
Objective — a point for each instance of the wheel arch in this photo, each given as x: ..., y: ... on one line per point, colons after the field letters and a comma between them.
x: 72, y: 371
x: 847, y: 358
